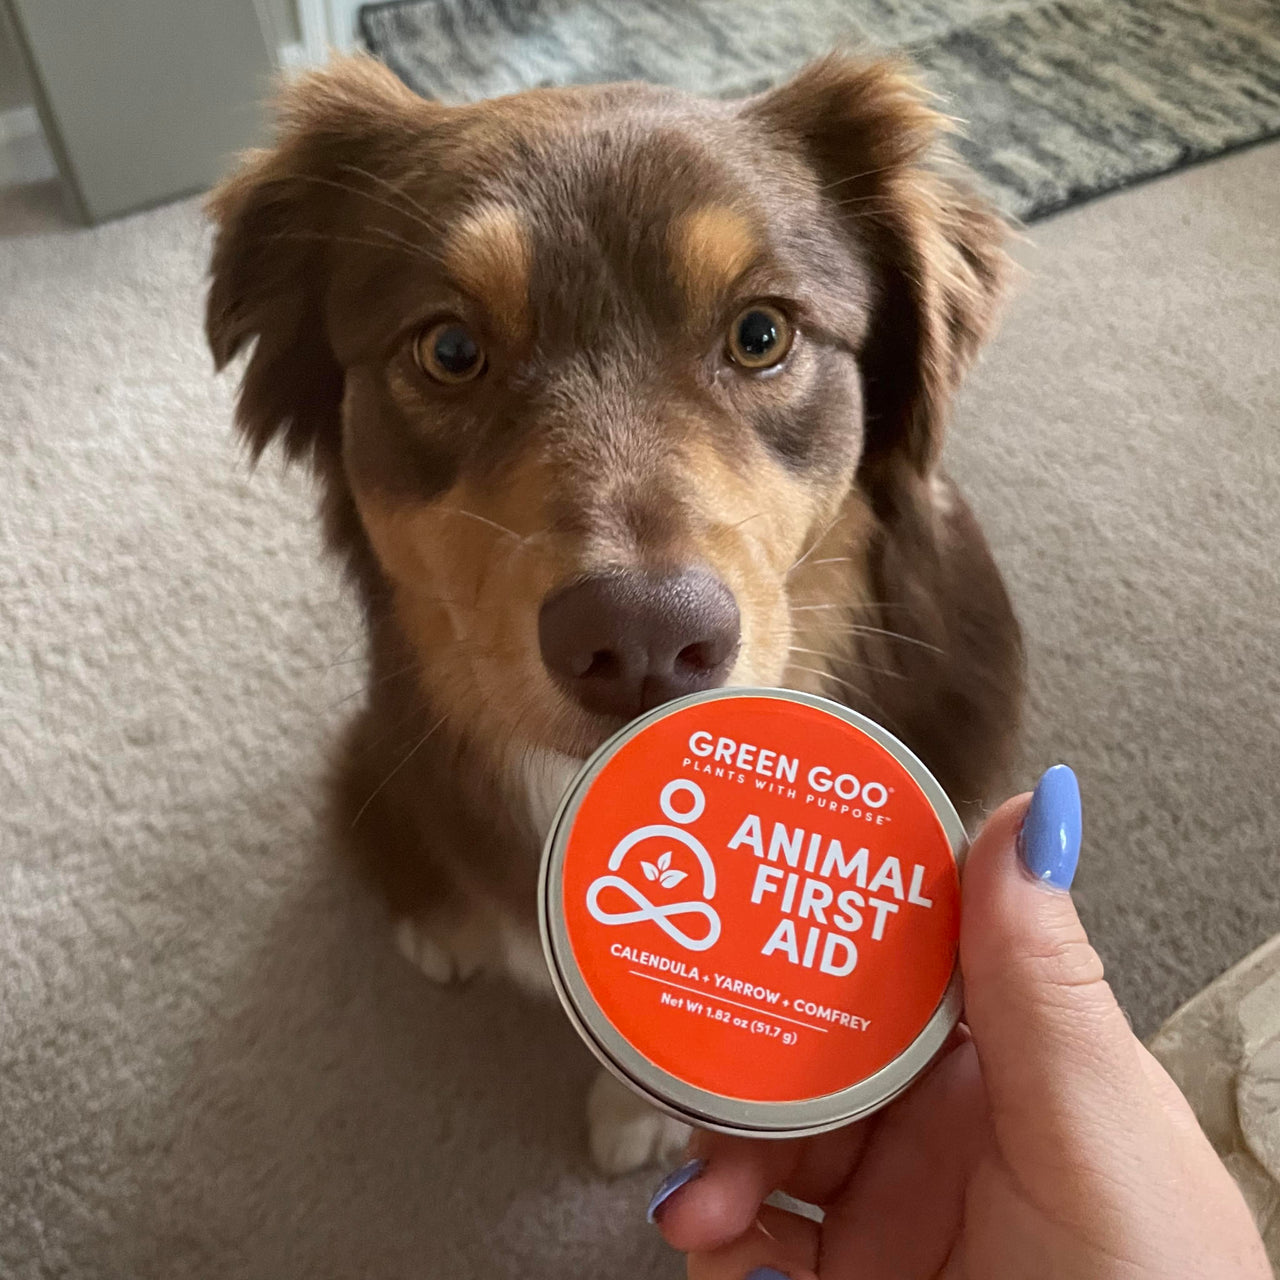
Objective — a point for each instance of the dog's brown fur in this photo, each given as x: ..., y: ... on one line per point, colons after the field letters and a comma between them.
x: 600, y: 241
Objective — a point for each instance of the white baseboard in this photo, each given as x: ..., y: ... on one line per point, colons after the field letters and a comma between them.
x: 24, y: 154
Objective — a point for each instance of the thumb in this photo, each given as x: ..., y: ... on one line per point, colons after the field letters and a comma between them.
x: 1059, y: 1061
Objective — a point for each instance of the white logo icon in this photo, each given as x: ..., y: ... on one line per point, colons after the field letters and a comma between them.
x: 663, y: 873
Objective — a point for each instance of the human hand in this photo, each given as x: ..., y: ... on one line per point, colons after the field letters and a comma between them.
x: 1046, y: 1142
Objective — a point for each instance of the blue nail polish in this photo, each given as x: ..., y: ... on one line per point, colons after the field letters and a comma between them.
x: 1049, y: 842
x: 766, y: 1273
x: 672, y: 1183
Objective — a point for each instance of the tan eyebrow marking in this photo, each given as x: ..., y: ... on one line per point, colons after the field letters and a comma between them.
x: 490, y: 255
x: 710, y: 248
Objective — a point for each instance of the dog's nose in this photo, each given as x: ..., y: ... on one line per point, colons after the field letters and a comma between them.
x: 624, y: 642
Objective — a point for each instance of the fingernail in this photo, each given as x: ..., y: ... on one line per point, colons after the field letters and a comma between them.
x: 1049, y: 842
x: 766, y: 1273
x: 672, y: 1183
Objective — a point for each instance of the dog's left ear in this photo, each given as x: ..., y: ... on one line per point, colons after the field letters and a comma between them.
x: 934, y: 247
x: 278, y: 218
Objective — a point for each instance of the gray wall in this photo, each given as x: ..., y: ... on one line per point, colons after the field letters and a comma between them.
x: 145, y: 100
x: 15, y: 91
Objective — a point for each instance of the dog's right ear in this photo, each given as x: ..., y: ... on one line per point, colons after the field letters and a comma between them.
x: 934, y: 246
x: 277, y: 217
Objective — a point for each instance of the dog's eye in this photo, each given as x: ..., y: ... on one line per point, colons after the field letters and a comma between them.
x: 449, y: 352
x: 759, y: 337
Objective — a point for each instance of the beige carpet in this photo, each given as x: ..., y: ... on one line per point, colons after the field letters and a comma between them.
x: 213, y: 1064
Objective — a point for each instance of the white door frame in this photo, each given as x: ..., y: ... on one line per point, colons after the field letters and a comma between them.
x: 327, y: 26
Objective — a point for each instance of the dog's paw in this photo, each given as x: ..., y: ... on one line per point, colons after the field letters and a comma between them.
x: 443, y: 957
x: 626, y: 1133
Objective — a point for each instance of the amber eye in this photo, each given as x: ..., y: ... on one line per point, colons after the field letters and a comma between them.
x: 759, y: 337
x: 449, y: 352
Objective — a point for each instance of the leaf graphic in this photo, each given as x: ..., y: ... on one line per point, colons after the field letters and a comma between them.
x: 665, y: 861
x: 672, y: 878
x: 650, y: 871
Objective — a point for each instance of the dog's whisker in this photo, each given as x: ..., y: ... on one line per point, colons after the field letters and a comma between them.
x: 333, y: 238
x: 864, y: 214
x: 859, y: 628
x: 529, y: 538
x: 413, y: 751
x: 512, y: 744
x: 851, y: 604
x: 856, y: 690
x: 388, y: 733
x: 351, y: 189
x: 341, y: 662
x: 370, y: 686
x: 869, y: 212
x: 393, y: 238
x: 817, y: 653
x: 815, y: 544
x: 859, y: 199
x: 496, y: 564
x: 415, y: 707
x: 346, y: 697
x: 521, y: 542
x: 845, y: 661
x: 830, y: 675
x: 340, y: 657
x: 795, y: 564
x: 493, y: 524
x: 863, y: 628
x: 853, y: 177
x: 458, y: 647
x: 408, y: 205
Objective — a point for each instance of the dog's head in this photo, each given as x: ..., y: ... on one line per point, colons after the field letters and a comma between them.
x: 609, y: 389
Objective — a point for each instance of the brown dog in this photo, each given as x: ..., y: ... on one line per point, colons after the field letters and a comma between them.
x: 615, y: 394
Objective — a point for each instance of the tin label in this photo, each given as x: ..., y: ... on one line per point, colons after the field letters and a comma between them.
x: 761, y: 899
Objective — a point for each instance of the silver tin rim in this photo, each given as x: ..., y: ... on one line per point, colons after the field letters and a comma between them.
x: 674, y: 1096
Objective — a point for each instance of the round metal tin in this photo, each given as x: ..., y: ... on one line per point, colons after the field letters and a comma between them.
x: 714, y: 1100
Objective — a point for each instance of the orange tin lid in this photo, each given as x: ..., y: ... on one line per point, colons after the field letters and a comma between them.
x: 750, y: 905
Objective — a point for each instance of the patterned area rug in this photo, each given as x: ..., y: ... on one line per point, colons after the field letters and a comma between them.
x: 1061, y: 101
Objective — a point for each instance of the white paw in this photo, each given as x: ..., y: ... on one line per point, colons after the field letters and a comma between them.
x: 626, y: 1133
x: 442, y: 957
x: 522, y: 958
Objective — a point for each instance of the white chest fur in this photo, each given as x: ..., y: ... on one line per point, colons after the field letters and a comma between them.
x: 544, y: 776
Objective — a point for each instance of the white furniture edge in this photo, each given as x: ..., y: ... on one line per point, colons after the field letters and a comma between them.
x: 327, y: 26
